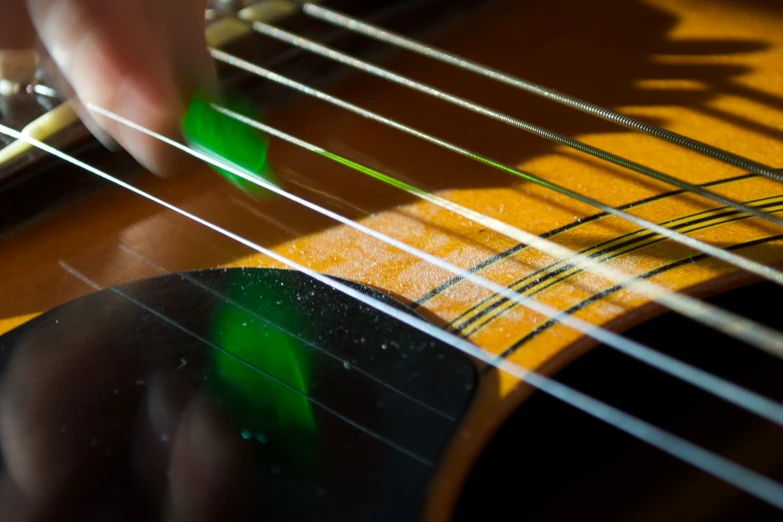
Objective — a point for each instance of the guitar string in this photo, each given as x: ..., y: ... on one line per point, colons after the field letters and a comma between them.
x: 342, y: 20
x: 729, y: 257
x: 696, y: 377
x: 332, y: 54
x: 296, y: 335
x: 86, y: 280
x: 739, y: 327
x: 726, y: 256
x: 739, y: 476
x: 693, y: 308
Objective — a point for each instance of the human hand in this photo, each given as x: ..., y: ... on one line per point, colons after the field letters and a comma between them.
x: 141, y: 59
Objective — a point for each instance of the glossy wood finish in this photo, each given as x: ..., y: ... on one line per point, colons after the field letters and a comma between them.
x: 708, y: 69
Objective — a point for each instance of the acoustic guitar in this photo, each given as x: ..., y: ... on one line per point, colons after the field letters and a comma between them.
x: 521, y: 261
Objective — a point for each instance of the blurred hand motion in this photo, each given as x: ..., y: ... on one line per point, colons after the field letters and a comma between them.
x: 142, y: 59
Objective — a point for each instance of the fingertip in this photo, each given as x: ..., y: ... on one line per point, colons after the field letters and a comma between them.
x: 148, y: 125
x: 92, y: 125
x: 162, y: 159
x: 174, y: 164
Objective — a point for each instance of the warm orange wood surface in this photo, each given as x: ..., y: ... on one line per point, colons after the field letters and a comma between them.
x: 707, y: 68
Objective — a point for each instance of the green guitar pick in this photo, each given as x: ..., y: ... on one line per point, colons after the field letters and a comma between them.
x: 230, y: 141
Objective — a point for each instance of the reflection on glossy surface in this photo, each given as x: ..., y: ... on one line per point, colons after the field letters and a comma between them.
x: 224, y: 395
x: 272, y: 410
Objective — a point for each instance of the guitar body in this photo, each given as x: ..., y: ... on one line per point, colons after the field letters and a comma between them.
x: 711, y: 70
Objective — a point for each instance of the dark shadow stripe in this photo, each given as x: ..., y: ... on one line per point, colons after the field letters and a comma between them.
x: 737, y: 216
x: 597, y: 297
x: 513, y: 250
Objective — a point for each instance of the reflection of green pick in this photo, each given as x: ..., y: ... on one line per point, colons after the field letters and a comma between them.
x: 229, y: 141
x: 271, y: 405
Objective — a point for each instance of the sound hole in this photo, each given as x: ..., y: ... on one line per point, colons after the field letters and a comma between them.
x: 551, y: 462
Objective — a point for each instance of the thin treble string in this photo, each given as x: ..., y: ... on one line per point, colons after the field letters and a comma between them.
x: 741, y: 477
x: 709, y: 315
x: 318, y: 404
x: 536, y: 130
x: 339, y: 19
x: 296, y: 335
x: 712, y: 384
x: 731, y: 324
x: 719, y: 253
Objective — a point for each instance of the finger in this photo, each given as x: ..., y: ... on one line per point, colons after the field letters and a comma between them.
x: 183, y: 24
x: 113, y: 54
